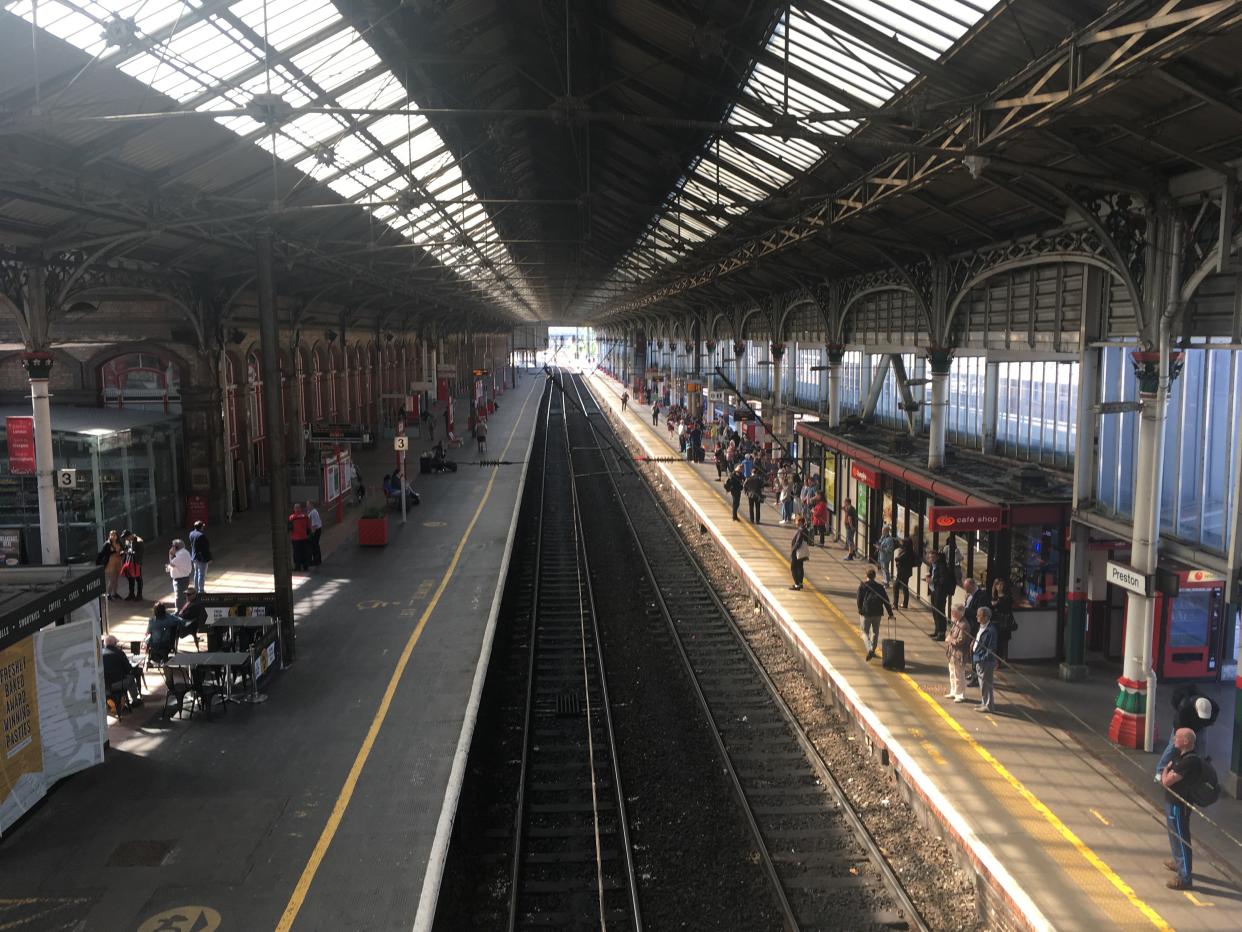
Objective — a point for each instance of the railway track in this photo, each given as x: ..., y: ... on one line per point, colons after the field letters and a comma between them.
x: 572, y: 865
x: 825, y: 869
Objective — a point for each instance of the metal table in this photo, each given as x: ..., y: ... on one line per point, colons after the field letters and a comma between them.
x: 216, y: 658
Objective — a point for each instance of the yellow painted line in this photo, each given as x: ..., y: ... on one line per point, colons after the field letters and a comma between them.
x: 1035, y: 802
x: 302, y: 888
x: 1051, y: 817
x: 1100, y: 817
x: 933, y: 752
x: 1194, y: 899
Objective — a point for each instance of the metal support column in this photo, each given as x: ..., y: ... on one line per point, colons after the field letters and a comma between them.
x: 836, y: 356
x: 1133, y: 723
x: 38, y: 369
x: 991, y: 401
x: 281, y: 569
x: 941, y: 361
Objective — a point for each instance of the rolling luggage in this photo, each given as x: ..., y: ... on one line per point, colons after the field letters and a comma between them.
x: 893, y: 654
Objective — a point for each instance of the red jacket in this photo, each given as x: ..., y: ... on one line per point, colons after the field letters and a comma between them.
x: 819, y: 514
x: 299, y: 526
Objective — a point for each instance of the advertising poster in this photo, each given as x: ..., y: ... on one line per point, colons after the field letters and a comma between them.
x: 830, y: 479
x: 19, y: 432
x: 22, y: 782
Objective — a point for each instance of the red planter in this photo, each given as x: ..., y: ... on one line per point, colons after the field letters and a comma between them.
x: 372, y: 532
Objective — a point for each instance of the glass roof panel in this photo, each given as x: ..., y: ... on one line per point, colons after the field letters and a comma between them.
x: 831, y: 70
x: 213, y: 58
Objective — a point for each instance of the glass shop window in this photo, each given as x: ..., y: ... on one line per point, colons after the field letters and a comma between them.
x: 1035, y: 570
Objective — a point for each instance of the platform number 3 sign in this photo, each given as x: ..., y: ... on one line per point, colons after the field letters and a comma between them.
x: 67, y: 479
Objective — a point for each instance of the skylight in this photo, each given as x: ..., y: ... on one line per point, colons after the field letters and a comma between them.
x: 208, y: 56
x: 828, y: 70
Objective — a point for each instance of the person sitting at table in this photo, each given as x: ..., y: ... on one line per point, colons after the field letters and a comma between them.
x: 193, y: 615
x: 161, y: 639
x: 120, y: 680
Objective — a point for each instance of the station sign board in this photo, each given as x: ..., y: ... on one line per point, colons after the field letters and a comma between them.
x: 339, y: 434
x: 951, y: 518
x: 866, y: 475
x: 1128, y: 578
x: 445, y: 371
x: 19, y: 432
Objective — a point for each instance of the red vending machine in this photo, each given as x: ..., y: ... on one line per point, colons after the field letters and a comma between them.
x: 1189, y: 629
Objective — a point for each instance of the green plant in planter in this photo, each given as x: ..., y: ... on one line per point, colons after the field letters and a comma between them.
x: 374, y: 511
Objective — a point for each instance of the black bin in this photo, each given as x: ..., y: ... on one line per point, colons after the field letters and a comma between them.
x: 424, y: 464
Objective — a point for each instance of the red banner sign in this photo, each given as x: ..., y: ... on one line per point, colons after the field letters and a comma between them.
x: 966, y: 518
x: 866, y: 475
x: 195, y: 509
x: 21, y: 441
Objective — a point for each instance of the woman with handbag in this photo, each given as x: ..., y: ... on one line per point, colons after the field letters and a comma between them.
x: 799, y: 552
x: 111, y: 557
x: 131, y: 569
x: 1002, y: 615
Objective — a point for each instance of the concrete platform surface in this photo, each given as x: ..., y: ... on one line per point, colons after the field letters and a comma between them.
x: 318, y: 808
x: 1059, y: 823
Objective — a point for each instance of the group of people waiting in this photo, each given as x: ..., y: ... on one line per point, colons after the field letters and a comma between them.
x: 122, y: 679
x: 121, y: 558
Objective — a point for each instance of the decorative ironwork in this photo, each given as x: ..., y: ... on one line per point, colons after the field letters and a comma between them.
x: 778, y: 351
x: 1147, y: 370
x: 38, y: 365
x: 940, y: 358
x: 1124, y: 222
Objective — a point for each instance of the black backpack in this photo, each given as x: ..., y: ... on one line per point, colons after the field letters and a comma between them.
x: 1206, y: 790
x: 873, y: 603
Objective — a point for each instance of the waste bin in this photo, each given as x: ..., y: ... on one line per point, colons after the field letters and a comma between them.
x: 424, y: 464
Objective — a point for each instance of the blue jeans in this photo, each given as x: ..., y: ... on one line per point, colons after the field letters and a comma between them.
x: 200, y: 575
x: 787, y: 510
x: 1177, y: 817
x: 851, y: 534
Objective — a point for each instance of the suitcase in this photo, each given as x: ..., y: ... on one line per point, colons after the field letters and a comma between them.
x: 893, y: 654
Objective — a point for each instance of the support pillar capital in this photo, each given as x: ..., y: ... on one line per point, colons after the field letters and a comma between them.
x: 739, y: 347
x: 1147, y: 370
x: 38, y: 365
x: 778, y: 351
x: 940, y: 358
x: 836, y: 353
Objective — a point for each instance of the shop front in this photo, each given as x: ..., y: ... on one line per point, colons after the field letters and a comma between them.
x: 986, y: 529
x: 126, y: 474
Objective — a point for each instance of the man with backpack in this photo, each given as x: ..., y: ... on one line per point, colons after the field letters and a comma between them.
x: 1184, y: 782
x: 734, y: 486
x: 872, y: 603
x: 753, y: 487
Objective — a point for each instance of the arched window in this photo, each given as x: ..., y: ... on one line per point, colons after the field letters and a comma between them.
x: 230, y: 408
x: 339, y: 399
x: 356, y: 389
x: 254, y: 416
x: 146, y: 380
x: 317, y: 384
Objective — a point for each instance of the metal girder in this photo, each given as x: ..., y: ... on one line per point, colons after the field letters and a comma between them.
x: 1082, y: 68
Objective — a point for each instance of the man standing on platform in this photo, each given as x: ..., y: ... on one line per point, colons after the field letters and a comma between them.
x: 316, y: 529
x: 734, y: 486
x: 976, y: 598
x: 984, y: 656
x: 625, y: 400
x: 1180, y: 773
x: 180, y: 568
x: 200, y: 553
x: 299, y: 537
x: 850, y: 521
x: 753, y: 486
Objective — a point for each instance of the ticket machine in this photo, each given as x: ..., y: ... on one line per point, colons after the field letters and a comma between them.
x: 1189, y: 629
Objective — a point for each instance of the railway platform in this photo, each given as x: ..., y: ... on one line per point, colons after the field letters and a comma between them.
x: 328, y: 806
x: 1061, y: 828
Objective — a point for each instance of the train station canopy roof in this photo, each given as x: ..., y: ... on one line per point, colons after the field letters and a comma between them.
x: 554, y: 160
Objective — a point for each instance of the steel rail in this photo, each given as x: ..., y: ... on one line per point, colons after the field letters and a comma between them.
x: 855, y: 821
x: 778, y: 888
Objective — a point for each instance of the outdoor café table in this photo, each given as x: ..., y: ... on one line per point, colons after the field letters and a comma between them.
x: 211, y: 658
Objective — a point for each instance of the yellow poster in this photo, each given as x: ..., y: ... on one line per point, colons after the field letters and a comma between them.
x: 830, y: 479
x: 21, y: 754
